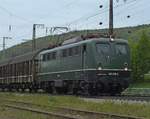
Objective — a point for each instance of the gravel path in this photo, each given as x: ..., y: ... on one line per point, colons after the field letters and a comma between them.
x: 117, y: 101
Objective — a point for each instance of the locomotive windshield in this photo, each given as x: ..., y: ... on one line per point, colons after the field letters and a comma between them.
x: 121, y: 49
x: 103, y: 48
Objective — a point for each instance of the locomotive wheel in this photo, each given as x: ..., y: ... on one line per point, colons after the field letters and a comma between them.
x: 10, y: 88
x: 23, y: 90
x: 34, y: 90
x: 84, y: 88
x: 30, y: 90
x: 53, y: 88
x: 17, y: 89
x: 48, y: 90
x: 116, y: 91
x: 99, y: 88
x: 92, y: 90
x: 75, y: 91
x: 59, y: 90
x: 3, y: 89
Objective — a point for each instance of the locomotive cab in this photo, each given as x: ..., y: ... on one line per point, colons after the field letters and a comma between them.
x: 112, y: 55
x: 113, y: 64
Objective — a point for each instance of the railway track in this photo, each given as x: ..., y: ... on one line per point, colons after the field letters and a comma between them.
x: 63, y: 112
x: 51, y: 114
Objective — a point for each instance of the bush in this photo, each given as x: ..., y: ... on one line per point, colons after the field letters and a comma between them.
x: 140, y: 57
x: 147, y: 77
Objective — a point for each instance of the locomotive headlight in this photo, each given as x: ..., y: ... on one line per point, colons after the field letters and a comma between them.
x: 111, y: 39
x: 126, y: 66
x: 126, y: 69
x: 99, y: 68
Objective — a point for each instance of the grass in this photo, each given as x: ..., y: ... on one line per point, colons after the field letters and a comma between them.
x: 140, y: 85
x: 16, y: 114
x: 141, y: 110
x: 139, y: 89
x: 144, y: 83
x: 147, y: 77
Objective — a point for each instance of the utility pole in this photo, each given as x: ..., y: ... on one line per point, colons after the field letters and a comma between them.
x: 4, y: 44
x: 34, y: 35
x: 47, y: 30
x: 111, y: 27
x: 111, y: 19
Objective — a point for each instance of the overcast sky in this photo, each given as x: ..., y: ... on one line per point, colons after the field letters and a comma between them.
x: 77, y: 14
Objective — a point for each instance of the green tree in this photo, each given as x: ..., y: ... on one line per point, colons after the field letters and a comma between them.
x: 134, y: 61
x: 140, y: 57
x: 143, y: 54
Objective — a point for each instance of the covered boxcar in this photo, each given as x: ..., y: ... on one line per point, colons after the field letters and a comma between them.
x: 19, y: 72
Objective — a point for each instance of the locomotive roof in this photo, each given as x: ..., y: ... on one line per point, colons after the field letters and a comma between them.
x: 21, y: 58
x: 85, y: 41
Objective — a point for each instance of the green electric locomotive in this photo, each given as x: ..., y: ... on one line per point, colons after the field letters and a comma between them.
x: 90, y: 65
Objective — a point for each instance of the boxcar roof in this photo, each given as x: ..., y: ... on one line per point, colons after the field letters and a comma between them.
x: 21, y: 58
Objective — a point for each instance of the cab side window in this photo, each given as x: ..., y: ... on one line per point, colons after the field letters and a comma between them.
x: 49, y: 56
x: 74, y: 51
x: 70, y: 52
x: 77, y: 50
x: 64, y: 53
x: 44, y: 57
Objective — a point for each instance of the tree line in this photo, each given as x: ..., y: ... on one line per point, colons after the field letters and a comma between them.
x: 140, y: 56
